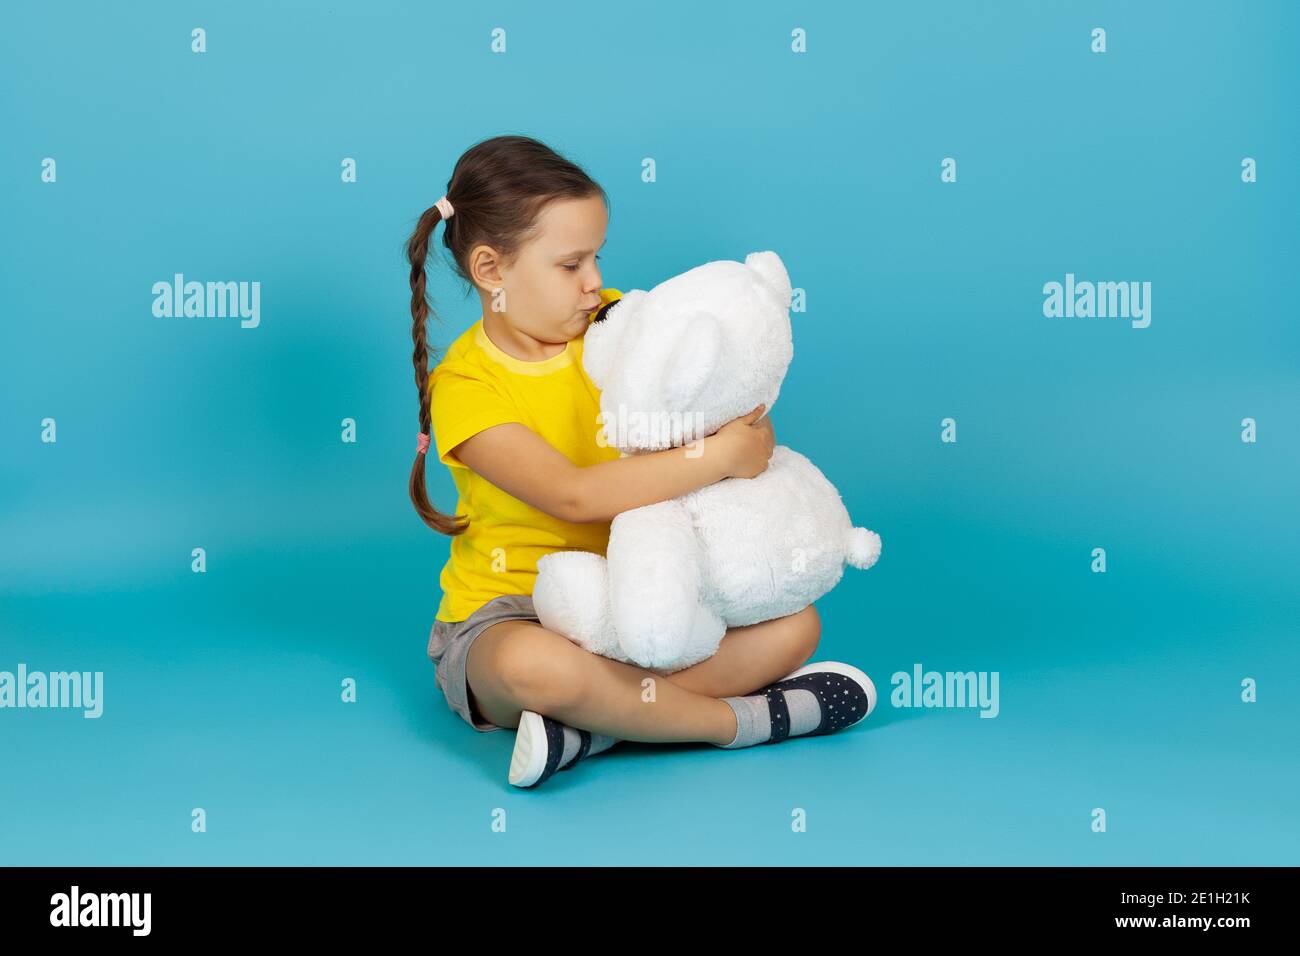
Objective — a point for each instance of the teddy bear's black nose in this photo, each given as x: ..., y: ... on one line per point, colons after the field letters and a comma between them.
x: 603, y: 311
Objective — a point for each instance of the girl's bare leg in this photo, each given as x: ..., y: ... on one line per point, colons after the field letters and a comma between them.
x: 519, y: 665
x: 754, y: 656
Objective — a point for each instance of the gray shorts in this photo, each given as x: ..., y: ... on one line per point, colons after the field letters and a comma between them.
x: 449, y: 643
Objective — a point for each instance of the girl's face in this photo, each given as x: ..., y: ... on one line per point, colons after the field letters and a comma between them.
x: 554, y: 283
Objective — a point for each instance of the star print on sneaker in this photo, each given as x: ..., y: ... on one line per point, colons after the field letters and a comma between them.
x: 544, y: 746
x: 816, y: 699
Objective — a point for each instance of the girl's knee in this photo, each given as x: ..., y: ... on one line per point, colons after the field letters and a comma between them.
x: 538, y: 668
x: 808, y: 634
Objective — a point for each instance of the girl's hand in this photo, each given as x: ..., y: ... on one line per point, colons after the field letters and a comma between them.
x: 748, y: 442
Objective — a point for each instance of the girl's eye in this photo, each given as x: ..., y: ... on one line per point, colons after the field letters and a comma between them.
x: 574, y: 267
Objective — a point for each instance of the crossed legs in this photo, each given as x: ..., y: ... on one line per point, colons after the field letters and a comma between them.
x: 520, y: 665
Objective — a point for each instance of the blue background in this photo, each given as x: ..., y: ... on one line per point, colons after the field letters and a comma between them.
x: 1118, y: 690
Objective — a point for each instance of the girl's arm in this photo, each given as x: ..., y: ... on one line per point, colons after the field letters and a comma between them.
x: 524, y: 465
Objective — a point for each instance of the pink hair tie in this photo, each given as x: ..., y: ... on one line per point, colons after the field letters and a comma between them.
x: 445, y: 207
x: 422, y: 443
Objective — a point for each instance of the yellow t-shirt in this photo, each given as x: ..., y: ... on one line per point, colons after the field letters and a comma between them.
x: 476, y: 386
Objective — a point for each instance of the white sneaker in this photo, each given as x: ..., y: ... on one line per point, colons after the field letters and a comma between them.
x: 541, y: 744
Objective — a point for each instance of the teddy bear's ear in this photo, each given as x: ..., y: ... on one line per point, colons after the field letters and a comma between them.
x: 606, y: 331
x: 691, y: 360
x: 772, y: 271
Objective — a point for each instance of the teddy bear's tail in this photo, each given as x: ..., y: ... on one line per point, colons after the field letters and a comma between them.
x: 863, y: 547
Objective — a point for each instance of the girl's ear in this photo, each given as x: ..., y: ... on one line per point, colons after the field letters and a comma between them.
x: 604, y: 336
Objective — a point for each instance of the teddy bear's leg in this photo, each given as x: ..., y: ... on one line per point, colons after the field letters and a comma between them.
x: 654, y: 588
x: 571, y: 596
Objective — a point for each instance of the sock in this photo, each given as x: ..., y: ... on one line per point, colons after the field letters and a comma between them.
x: 754, y: 717
x: 572, y: 741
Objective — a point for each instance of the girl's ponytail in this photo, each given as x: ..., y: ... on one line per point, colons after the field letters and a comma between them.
x: 417, y: 250
x: 497, y: 190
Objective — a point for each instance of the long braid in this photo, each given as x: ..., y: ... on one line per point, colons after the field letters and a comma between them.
x: 417, y: 250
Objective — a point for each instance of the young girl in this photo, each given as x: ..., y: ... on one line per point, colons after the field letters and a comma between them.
x: 514, y: 417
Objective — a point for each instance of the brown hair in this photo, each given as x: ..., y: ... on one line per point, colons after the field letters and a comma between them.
x: 497, y: 190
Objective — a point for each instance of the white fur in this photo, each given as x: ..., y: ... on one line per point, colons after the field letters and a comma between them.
x: 687, y: 357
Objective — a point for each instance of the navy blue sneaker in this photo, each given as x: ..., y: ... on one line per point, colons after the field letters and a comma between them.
x: 544, y: 746
x: 846, y: 696
x: 818, y: 698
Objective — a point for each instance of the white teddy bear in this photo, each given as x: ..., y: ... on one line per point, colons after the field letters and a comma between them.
x: 674, y: 364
